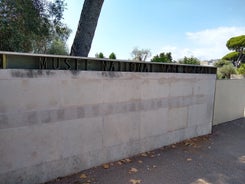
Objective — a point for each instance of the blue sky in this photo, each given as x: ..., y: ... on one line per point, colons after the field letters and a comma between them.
x: 183, y: 27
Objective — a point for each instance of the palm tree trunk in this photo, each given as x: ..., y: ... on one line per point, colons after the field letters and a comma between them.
x: 86, y: 27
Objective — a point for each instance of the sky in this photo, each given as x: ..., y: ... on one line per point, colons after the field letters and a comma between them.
x: 198, y: 28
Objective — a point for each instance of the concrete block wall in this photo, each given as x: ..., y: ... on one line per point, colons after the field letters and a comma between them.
x: 229, y: 100
x: 54, y: 123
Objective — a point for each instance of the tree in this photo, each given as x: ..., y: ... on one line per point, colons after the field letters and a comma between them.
x: 221, y: 63
x: 190, y: 61
x: 236, y: 44
x: 58, y: 47
x: 100, y: 55
x: 162, y: 57
x: 86, y: 27
x: 232, y: 56
x: 241, y: 69
x: 225, y: 69
x: 112, y: 56
x: 31, y: 25
x: 140, y: 55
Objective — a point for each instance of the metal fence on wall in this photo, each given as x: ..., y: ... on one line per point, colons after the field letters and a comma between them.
x: 12, y: 60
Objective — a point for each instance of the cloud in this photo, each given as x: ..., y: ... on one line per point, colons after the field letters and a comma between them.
x: 215, y: 36
x: 205, y: 44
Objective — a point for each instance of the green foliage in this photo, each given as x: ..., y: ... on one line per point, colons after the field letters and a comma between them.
x: 112, y: 56
x: 190, y: 61
x: 58, y: 47
x: 241, y: 69
x: 221, y: 63
x: 31, y: 25
x: 236, y: 43
x: 162, y: 57
x: 225, y: 71
x: 232, y: 56
x: 56, y: 10
x: 100, y: 55
x: 140, y: 55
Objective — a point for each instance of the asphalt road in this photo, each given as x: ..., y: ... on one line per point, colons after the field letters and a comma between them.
x: 218, y: 158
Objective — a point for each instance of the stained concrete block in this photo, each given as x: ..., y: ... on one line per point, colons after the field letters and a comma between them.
x: 154, y: 88
x: 154, y: 142
x: 123, y: 150
x: 27, y: 146
x: 17, y: 119
x: 204, y: 129
x: 49, y: 170
x: 204, y: 87
x: 153, y: 122
x: 115, y: 91
x: 41, y: 94
x: 198, y: 114
x: 11, y: 95
x: 180, y: 87
x: 48, y: 142
x: 54, y: 123
x: 28, y: 94
x: 76, y: 92
x: 177, y: 118
x: 120, y: 128
x: 79, y: 136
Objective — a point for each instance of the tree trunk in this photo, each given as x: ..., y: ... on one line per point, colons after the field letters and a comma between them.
x: 86, y: 27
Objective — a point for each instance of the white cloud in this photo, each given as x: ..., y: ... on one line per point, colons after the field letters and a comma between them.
x: 206, y: 44
x: 215, y: 36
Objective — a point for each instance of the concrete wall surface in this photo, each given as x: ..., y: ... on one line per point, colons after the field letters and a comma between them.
x: 229, y: 100
x: 54, y: 123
